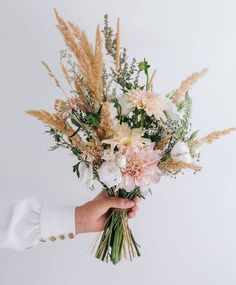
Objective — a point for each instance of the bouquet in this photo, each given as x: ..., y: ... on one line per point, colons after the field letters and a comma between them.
x: 119, y: 130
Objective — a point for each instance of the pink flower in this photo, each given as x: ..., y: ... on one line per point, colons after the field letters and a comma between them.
x: 141, y: 168
x: 153, y: 104
x: 64, y: 108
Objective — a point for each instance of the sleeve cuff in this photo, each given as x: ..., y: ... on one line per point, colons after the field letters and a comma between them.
x: 57, y: 222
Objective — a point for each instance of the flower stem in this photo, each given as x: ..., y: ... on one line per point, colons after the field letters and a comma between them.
x: 117, y: 237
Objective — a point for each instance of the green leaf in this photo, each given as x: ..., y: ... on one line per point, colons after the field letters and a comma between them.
x: 129, y: 85
x: 76, y: 169
x: 93, y: 119
x: 75, y: 133
x: 180, y: 106
x: 118, y: 107
x: 54, y: 147
x: 194, y: 135
x: 75, y: 122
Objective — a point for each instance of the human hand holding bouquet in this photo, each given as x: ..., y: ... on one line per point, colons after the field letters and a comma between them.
x: 92, y: 216
x: 121, y: 133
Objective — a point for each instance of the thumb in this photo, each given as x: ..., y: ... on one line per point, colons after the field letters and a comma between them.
x: 120, y: 203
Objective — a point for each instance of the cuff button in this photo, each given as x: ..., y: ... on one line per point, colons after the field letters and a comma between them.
x: 61, y: 237
x: 52, y: 238
x: 71, y: 235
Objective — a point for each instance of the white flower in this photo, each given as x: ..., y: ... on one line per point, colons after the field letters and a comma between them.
x: 110, y: 174
x: 86, y: 174
x: 125, y: 105
x: 109, y: 154
x: 172, y: 111
x: 125, y: 136
x: 121, y: 161
x: 113, y: 113
x: 181, y: 152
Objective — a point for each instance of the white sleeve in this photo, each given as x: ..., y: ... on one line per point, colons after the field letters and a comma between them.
x: 27, y: 222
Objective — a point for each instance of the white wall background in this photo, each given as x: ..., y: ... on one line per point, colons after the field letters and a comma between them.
x: 187, y: 229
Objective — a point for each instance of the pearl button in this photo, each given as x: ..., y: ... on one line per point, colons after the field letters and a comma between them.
x: 52, y: 238
x: 71, y: 235
x: 61, y: 237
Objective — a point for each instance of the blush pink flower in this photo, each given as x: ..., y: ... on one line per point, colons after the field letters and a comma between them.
x: 64, y: 108
x: 153, y: 104
x: 141, y: 168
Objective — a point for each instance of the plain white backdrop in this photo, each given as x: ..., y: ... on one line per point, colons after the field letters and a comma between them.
x: 187, y: 229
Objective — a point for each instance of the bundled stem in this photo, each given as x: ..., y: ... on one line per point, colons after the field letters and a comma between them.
x: 117, y: 240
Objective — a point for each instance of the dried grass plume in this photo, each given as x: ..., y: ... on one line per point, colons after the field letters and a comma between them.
x: 105, y: 129
x: 187, y: 84
x: 90, y: 149
x: 89, y: 60
x: 171, y: 165
x: 210, y: 138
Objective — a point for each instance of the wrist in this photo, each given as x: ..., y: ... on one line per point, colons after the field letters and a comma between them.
x: 79, y: 220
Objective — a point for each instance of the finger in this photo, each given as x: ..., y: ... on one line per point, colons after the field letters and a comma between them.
x: 134, y: 209
x: 137, y: 200
x: 119, y: 203
x: 131, y: 214
x: 101, y: 195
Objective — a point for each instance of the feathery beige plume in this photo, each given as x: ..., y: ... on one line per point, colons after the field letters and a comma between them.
x: 210, y: 138
x: 118, y: 45
x: 98, y: 64
x: 186, y: 84
x: 193, y: 143
x: 88, y: 148
x: 162, y: 143
x: 171, y: 165
x: 53, y: 120
x: 89, y: 61
x: 216, y: 135
x: 105, y: 129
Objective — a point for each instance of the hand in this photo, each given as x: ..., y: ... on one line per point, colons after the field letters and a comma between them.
x: 92, y: 216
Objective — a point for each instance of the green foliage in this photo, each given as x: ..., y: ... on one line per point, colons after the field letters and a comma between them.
x: 60, y: 141
x: 110, y: 39
x: 128, y: 74
x: 144, y: 66
x: 118, y: 107
x: 194, y: 135
x: 185, y: 122
x: 76, y: 169
x: 93, y: 119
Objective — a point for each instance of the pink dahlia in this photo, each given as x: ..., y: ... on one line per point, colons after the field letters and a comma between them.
x: 141, y: 168
x: 153, y: 104
x: 64, y: 108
